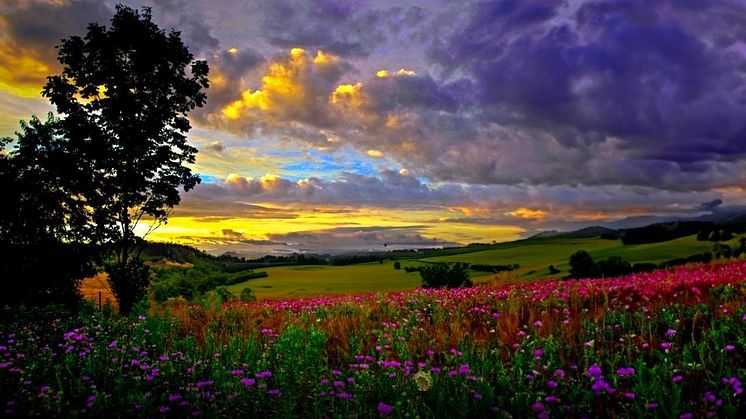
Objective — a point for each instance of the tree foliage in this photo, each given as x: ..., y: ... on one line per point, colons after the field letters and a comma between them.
x: 581, y: 265
x: 116, y: 157
x: 124, y: 93
x: 43, y: 251
x: 445, y: 275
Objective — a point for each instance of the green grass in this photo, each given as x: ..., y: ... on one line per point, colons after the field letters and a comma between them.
x: 299, y: 281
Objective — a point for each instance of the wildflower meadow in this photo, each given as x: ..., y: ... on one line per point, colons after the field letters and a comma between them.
x: 669, y: 344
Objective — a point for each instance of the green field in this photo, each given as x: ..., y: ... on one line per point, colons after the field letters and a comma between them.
x: 303, y: 281
x: 534, y: 257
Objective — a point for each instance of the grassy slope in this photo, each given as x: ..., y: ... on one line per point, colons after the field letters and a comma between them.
x: 537, y: 255
x: 534, y: 256
x: 300, y: 281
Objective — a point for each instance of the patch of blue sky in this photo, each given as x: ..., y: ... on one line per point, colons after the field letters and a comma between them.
x: 209, y: 178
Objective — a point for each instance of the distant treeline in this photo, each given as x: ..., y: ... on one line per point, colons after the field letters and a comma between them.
x: 661, y: 232
x: 582, y: 264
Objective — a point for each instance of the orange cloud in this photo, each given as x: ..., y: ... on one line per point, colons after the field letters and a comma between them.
x: 528, y: 214
x: 293, y: 87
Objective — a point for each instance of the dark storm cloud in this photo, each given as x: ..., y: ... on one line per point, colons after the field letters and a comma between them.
x: 653, y: 74
x: 343, y: 27
x: 180, y: 15
x: 43, y: 24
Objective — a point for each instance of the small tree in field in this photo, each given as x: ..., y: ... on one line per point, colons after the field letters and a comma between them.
x: 581, y: 265
x: 446, y: 275
x: 123, y: 95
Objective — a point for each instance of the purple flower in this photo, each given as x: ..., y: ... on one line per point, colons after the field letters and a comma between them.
x: 710, y: 396
x: 164, y: 409
x: 384, y: 409
x: 538, y: 353
x: 464, y: 369
x: 537, y: 407
x: 344, y: 395
x: 665, y: 345
x: 538, y: 323
x: 594, y: 371
x: 206, y: 383
x: 677, y: 379
x: 174, y: 397
x: 248, y: 382
x: 163, y: 358
x: 264, y: 374
x: 630, y: 395
x: 552, y: 384
x: 338, y: 384
x: 730, y: 348
x: 670, y: 332
x: 625, y: 372
x: 274, y: 392
x: 551, y: 399
x: 686, y: 415
x: 237, y: 372
x: 651, y: 406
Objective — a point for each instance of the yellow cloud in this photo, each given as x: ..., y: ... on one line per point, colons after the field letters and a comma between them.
x: 382, y: 74
x: 22, y: 72
x: 348, y: 95
x: 528, y: 213
x: 404, y: 172
x: 232, y: 50
x: 285, y: 86
x: 375, y: 153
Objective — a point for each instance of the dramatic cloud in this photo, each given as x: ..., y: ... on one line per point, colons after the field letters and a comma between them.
x: 339, y: 26
x: 526, y: 113
x: 30, y: 30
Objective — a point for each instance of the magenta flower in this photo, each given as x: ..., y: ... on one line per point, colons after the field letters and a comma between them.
x: 537, y: 407
x: 665, y: 345
x: 384, y: 409
x: 730, y: 348
x: 677, y: 379
x: 670, y: 332
x: 552, y: 384
x: 274, y: 392
x: 538, y: 353
x: 248, y: 382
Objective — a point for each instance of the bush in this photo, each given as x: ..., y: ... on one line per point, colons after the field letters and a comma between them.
x: 581, y: 265
x: 446, y: 275
x: 247, y: 295
x: 397, y: 265
x: 613, y: 266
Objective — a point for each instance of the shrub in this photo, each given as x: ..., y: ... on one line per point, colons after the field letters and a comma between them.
x: 445, y: 275
x: 581, y: 265
x: 247, y: 295
x: 397, y: 265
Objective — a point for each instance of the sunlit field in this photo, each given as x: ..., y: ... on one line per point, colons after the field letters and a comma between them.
x: 664, y: 344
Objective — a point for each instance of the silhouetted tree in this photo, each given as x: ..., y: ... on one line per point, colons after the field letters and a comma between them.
x: 581, y: 265
x: 445, y: 275
x: 123, y: 96
x: 613, y: 266
x: 45, y: 249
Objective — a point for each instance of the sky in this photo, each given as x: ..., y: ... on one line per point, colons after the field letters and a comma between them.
x: 371, y: 125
